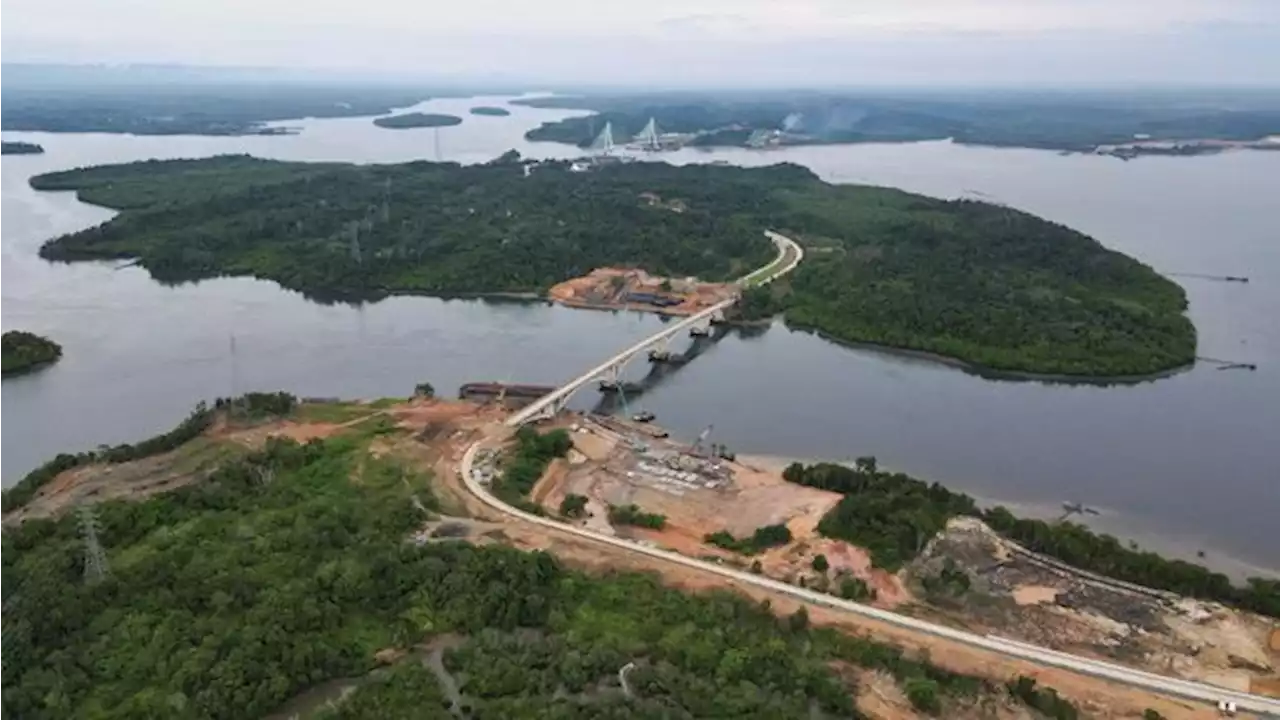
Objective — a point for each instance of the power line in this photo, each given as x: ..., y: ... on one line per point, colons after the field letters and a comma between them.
x: 95, y: 559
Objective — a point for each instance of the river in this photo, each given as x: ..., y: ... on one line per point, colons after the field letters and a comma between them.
x: 1186, y: 463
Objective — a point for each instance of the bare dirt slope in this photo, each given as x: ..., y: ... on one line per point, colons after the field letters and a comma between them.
x: 434, y: 434
x: 1018, y: 594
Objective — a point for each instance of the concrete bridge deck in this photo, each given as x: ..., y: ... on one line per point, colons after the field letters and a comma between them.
x: 789, y: 256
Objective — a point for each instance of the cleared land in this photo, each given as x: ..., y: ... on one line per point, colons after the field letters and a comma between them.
x: 1012, y: 591
x: 1020, y: 594
x: 616, y: 288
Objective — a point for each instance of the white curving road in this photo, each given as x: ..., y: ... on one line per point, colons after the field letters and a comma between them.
x: 1153, y: 682
x: 1162, y: 684
x: 777, y: 268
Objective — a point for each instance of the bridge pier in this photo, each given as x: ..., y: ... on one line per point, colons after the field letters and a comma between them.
x: 662, y: 352
x: 611, y: 380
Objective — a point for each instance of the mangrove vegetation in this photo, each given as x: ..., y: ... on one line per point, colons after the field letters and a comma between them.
x: 23, y: 352
x: 417, y: 120
x: 993, y: 287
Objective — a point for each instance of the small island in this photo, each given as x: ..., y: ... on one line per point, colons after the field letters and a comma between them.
x: 417, y: 120
x: 25, y: 352
x: 492, y: 111
x: 20, y: 148
x: 983, y: 286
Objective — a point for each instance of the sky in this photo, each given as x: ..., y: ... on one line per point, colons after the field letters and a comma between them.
x: 675, y: 43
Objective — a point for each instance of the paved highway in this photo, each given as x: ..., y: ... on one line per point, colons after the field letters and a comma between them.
x: 1153, y: 682
x: 788, y: 248
x: 789, y: 255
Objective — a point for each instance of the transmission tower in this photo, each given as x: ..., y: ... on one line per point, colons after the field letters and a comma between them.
x: 386, y: 200
x: 354, y: 229
x: 235, y: 370
x: 95, y: 559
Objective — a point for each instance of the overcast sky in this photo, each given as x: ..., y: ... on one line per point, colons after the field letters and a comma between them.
x: 678, y: 42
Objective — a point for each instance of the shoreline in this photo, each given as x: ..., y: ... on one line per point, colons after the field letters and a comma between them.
x: 1108, y: 522
x: 28, y: 369
x: 1199, y: 146
x: 989, y: 373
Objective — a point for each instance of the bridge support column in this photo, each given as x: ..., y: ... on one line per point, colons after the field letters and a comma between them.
x: 612, y: 378
x: 662, y: 351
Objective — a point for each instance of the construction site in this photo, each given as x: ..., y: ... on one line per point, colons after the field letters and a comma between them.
x: 1017, y: 593
x: 614, y: 288
x: 698, y: 487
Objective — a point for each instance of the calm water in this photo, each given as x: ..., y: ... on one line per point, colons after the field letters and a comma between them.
x: 1190, y: 462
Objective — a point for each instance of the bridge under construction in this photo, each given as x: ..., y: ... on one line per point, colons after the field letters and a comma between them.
x: 609, y: 372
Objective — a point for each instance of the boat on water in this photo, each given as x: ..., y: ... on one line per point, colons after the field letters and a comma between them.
x: 643, y: 416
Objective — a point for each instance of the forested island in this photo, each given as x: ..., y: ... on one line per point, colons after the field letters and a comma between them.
x: 24, y: 352
x: 1076, y: 122
x: 20, y: 148
x: 989, y: 285
x: 490, y: 111
x: 282, y: 566
x: 417, y: 120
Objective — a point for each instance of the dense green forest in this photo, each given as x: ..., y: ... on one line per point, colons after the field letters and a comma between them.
x: 20, y: 148
x: 891, y: 515
x: 995, y: 287
x: 417, y: 120
x: 992, y: 286
x: 22, y: 352
x: 366, y: 231
x: 490, y: 111
x: 525, y: 463
x: 894, y: 515
x: 289, y: 566
x: 192, y: 108
x: 1077, y: 122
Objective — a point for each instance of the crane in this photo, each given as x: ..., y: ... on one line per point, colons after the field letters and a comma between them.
x: 697, y: 447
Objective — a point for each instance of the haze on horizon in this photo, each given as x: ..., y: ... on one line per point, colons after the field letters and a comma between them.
x: 674, y: 43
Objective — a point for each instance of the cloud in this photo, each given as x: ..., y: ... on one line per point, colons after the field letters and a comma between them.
x: 679, y: 42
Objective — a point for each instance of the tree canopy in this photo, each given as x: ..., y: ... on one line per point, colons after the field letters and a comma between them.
x: 1079, y: 122
x: 994, y: 287
x: 894, y: 515
x: 417, y: 120
x: 144, y: 107
x: 21, y: 352
x: 20, y: 148
x: 292, y: 565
